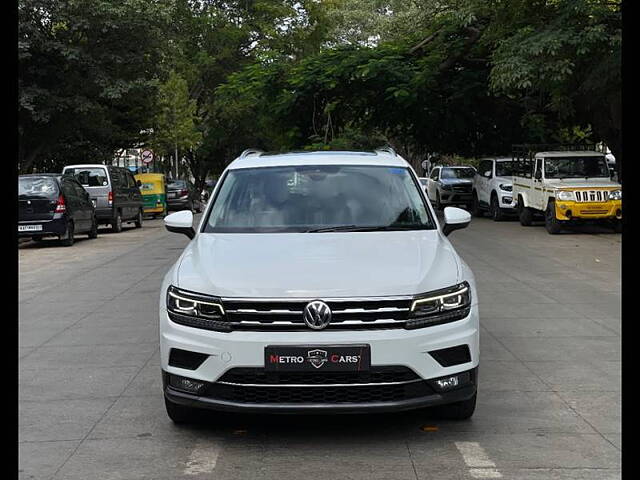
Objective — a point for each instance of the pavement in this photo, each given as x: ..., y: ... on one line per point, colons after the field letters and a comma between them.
x: 90, y: 395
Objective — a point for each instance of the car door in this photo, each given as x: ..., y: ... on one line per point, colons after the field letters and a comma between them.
x: 85, y: 206
x: 432, y: 185
x: 134, y: 196
x: 537, y: 192
x: 482, y: 186
x: 73, y: 206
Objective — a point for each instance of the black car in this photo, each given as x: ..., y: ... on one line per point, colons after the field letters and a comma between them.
x: 114, y: 191
x: 51, y: 204
x: 182, y: 195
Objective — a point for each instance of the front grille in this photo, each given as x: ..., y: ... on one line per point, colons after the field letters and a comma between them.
x: 462, y: 188
x: 591, y: 195
x: 347, y: 314
x: 376, y: 374
x: 320, y: 394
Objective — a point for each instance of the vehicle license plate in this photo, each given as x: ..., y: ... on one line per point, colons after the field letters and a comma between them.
x: 29, y: 228
x: 335, y: 358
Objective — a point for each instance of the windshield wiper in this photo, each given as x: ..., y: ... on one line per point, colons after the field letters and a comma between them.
x: 356, y: 228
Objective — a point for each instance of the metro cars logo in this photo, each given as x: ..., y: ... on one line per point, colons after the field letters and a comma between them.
x: 316, y: 357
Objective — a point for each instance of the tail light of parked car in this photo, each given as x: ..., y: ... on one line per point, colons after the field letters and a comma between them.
x: 110, y: 198
x: 60, y: 205
x: 184, y: 193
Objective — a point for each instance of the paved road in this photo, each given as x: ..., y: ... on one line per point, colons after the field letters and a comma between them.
x: 549, y: 402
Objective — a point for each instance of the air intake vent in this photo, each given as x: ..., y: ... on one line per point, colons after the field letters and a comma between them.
x: 184, y: 359
x: 448, y: 357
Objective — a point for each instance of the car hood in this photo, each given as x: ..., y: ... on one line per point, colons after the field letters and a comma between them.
x: 569, y: 183
x: 332, y: 264
x: 456, y: 181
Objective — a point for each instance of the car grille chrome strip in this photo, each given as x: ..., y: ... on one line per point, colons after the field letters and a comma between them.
x: 347, y: 312
x: 318, y: 385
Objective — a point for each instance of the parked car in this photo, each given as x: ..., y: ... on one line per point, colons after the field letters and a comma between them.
x: 493, y: 189
x: 450, y: 186
x: 565, y: 185
x: 114, y: 192
x: 51, y: 204
x: 319, y: 282
x: 154, y: 193
x: 182, y: 195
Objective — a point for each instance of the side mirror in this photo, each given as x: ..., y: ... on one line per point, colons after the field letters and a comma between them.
x: 487, y: 174
x: 455, y: 219
x: 180, y: 222
x: 538, y: 175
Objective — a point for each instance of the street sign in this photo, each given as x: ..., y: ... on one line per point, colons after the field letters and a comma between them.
x: 147, y: 156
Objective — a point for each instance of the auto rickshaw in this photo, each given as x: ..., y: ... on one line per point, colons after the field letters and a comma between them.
x: 154, y: 193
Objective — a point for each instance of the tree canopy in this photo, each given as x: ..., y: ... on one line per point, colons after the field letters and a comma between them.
x: 459, y: 77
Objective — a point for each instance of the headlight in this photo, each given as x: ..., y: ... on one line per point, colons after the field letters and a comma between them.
x: 446, y: 187
x: 196, y: 310
x: 440, y: 306
x: 506, y: 187
x: 615, y: 195
x: 564, y: 195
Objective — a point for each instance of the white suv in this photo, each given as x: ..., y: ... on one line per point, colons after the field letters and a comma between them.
x: 493, y: 188
x: 319, y: 282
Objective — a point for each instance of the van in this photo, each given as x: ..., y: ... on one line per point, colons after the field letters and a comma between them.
x: 114, y: 193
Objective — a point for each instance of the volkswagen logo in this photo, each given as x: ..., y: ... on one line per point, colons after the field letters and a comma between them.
x: 317, y: 315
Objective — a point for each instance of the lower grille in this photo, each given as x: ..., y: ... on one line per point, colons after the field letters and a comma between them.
x: 377, y: 374
x: 320, y: 394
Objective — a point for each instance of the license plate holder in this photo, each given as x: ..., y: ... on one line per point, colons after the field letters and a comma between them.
x: 29, y: 228
x: 313, y: 358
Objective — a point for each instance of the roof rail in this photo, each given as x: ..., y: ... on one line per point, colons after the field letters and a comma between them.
x: 386, y: 149
x: 250, y: 151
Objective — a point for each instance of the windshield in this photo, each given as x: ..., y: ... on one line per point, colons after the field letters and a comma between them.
x: 177, y: 184
x: 575, y: 167
x: 309, y: 198
x: 504, y: 169
x: 45, y: 187
x: 89, y: 177
x: 458, y: 173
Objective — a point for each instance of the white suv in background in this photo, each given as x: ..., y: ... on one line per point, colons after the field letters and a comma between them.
x: 493, y: 189
x: 319, y: 282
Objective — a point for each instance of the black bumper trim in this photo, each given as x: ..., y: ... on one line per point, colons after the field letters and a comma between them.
x: 432, y: 400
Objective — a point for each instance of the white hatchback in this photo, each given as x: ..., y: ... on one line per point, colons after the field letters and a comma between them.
x: 319, y: 282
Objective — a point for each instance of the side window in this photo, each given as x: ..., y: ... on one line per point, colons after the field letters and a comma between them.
x: 485, y: 166
x: 115, y: 178
x: 80, y: 192
x: 434, y: 174
x: 538, y: 166
x: 68, y: 190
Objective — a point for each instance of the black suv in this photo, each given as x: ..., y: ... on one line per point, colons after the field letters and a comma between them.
x: 114, y: 193
x: 182, y: 195
x: 50, y: 204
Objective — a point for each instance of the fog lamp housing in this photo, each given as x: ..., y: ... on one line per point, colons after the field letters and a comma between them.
x: 451, y: 382
x: 185, y: 384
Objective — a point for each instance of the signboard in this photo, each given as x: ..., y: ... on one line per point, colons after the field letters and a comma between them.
x: 147, y: 156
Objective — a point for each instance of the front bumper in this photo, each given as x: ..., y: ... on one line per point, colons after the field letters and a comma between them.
x: 430, y: 400
x: 398, y: 347
x: 570, y: 210
x: 449, y: 197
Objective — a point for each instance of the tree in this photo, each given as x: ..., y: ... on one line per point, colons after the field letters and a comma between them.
x: 87, y: 76
x: 175, y: 127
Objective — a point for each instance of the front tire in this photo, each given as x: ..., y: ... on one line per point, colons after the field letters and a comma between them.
x: 496, y: 212
x: 458, y: 411
x: 93, y: 233
x: 178, y: 413
x: 551, y: 223
x: 476, y: 211
x: 138, y: 221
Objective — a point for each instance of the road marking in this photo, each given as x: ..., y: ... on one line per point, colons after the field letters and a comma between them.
x: 203, y: 459
x: 479, y: 463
